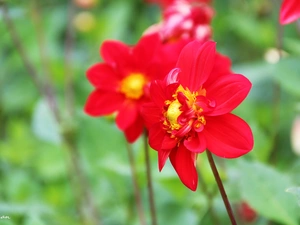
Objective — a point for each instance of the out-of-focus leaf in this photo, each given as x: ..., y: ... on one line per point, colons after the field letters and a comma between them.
x: 34, y: 219
x: 44, y: 124
x: 262, y: 145
x: 286, y: 72
x: 264, y: 189
x: 288, y: 75
x: 292, y: 45
x: 255, y: 71
x: 295, y: 191
x: 245, y: 25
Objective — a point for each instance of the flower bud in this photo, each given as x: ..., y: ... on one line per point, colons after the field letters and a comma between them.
x: 295, y: 135
x: 246, y: 213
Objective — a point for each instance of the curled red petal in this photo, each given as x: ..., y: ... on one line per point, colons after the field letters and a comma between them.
x: 228, y: 136
x: 196, y: 62
x: 196, y: 143
x: 168, y: 142
x: 228, y: 92
x: 101, y: 102
x: 289, y: 11
x: 103, y: 76
x: 172, y: 76
x: 183, y: 162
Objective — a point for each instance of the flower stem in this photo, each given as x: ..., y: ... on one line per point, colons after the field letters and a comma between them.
x: 137, y: 192
x: 221, y: 187
x: 149, y: 183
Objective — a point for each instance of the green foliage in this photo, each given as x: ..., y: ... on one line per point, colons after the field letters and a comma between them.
x: 264, y: 189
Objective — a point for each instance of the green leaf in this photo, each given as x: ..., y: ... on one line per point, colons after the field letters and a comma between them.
x: 44, y: 124
x: 264, y: 189
x: 295, y: 191
x: 262, y: 145
x: 288, y: 75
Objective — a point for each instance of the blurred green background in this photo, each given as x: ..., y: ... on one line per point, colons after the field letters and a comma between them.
x: 54, y: 173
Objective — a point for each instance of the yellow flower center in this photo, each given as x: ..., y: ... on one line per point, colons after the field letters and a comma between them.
x: 172, y: 114
x: 133, y: 85
x: 187, y: 108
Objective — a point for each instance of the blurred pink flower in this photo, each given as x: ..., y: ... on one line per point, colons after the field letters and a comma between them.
x: 183, y: 20
x: 166, y: 3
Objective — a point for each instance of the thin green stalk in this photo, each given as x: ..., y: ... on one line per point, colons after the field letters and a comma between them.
x: 221, y: 187
x: 149, y: 182
x: 276, y: 102
x: 137, y: 192
x: 210, y: 196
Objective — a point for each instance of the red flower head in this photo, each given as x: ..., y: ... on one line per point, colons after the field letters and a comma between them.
x: 289, y: 11
x: 183, y: 20
x: 122, y: 81
x: 191, y: 111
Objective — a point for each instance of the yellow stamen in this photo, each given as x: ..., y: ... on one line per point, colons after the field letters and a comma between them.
x: 133, y: 85
x: 174, y: 110
x: 172, y: 114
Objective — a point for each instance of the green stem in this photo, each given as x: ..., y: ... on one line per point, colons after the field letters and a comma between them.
x: 69, y: 78
x: 149, y: 183
x: 276, y: 99
x: 221, y: 187
x: 44, y: 88
x: 137, y: 192
x: 210, y: 196
x: 82, y: 192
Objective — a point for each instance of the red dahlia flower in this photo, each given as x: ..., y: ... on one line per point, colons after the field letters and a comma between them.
x: 289, y: 11
x: 191, y: 112
x: 122, y: 81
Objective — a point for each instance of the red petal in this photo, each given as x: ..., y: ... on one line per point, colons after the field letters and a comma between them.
x: 101, y: 102
x: 228, y: 136
x: 145, y: 50
x: 114, y: 52
x: 157, y: 92
x: 196, y: 62
x: 127, y: 114
x: 222, y: 67
x: 103, y: 76
x: 156, y: 136
x: 183, y: 162
x: 196, y: 144
x: 228, y: 92
x: 162, y: 158
x: 151, y: 114
x: 289, y: 11
x: 135, y: 130
x: 168, y: 142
